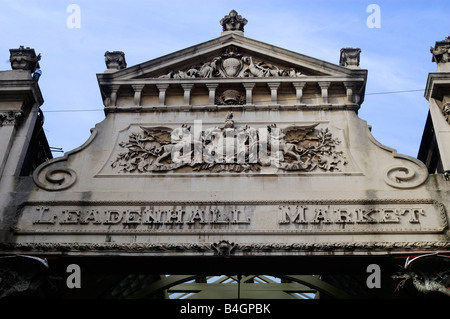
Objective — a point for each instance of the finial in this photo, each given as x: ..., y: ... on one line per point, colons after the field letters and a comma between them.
x: 441, y: 55
x: 24, y: 59
x: 233, y: 22
x: 115, y: 60
x: 350, y: 58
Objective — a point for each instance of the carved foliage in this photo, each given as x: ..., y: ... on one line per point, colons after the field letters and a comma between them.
x: 230, y: 148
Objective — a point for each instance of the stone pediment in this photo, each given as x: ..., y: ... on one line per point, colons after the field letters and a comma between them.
x: 231, y: 56
x: 237, y: 63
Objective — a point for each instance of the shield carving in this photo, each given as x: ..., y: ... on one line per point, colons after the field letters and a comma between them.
x: 232, y: 66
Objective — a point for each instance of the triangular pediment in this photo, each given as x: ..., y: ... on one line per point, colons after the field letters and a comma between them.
x: 232, y: 55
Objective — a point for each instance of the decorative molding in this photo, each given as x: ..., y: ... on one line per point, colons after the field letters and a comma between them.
x: 403, y: 176
x: 215, y: 248
x: 53, y: 176
x: 292, y: 213
x: 352, y: 201
x: 10, y: 118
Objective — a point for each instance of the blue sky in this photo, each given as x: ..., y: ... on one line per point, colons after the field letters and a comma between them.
x: 396, y: 54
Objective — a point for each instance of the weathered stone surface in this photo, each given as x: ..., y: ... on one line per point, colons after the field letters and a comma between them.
x: 238, y: 147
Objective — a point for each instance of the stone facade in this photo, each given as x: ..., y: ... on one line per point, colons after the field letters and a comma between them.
x: 230, y: 147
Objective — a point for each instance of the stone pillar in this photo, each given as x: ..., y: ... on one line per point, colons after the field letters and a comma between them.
x: 349, y: 87
x: 274, y: 91
x: 249, y: 92
x: 438, y: 94
x: 137, y: 93
x: 299, y: 90
x: 324, y: 88
x: 20, y: 102
x: 212, y: 92
x: 162, y: 93
x: 187, y: 93
x: 113, y: 96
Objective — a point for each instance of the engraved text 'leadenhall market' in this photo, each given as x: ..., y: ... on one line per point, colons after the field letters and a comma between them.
x: 282, y: 214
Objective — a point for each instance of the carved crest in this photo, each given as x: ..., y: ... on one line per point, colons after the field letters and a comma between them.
x: 233, y: 64
x: 230, y: 148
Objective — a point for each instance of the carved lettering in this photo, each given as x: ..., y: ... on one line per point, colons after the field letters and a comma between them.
x: 236, y: 215
x: 152, y: 216
x: 389, y: 216
x: 363, y: 216
x: 113, y: 217
x: 328, y: 217
x: 343, y: 216
x: 294, y: 217
x: 70, y: 217
x: 413, y: 214
x: 320, y: 216
x: 43, y: 219
x: 91, y: 216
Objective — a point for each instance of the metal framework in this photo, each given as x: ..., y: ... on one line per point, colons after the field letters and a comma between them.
x: 226, y: 287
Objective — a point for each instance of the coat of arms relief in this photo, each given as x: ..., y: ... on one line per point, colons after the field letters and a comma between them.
x: 229, y: 147
x: 232, y: 64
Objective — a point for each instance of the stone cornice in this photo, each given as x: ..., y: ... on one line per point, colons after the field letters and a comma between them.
x: 19, y: 90
x: 437, y: 85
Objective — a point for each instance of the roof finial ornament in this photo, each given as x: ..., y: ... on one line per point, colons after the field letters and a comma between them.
x: 233, y: 22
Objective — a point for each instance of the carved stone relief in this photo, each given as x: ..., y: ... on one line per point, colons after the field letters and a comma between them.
x: 230, y: 97
x: 115, y: 60
x: 441, y: 51
x: 230, y: 148
x: 233, y: 21
x: 10, y: 117
x: 233, y: 64
x: 350, y: 57
x: 446, y: 111
x: 24, y: 59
